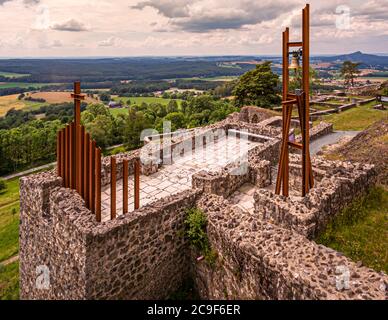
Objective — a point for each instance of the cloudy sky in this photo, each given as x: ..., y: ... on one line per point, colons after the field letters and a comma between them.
x: 44, y: 28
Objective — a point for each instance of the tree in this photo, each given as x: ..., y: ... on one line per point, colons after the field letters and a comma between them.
x: 136, y: 123
x: 172, y: 106
x: 296, y: 79
x: 177, y: 120
x: 105, y: 97
x: 349, y: 72
x: 257, y: 87
x: 3, y: 185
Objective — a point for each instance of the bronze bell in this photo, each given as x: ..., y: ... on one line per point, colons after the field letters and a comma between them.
x: 294, y: 62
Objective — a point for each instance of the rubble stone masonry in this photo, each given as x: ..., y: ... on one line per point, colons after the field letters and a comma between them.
x: 264, y: 254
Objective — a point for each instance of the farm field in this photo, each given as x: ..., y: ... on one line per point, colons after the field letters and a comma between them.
x: 148, y: 100
x: 4, y: 85
x: 375, y: 79
x: 13, y: 75
x: 219, y: 78
x: 357, y: 118
x: 58, y: 97
x: 12, y: 102
x: 138, y: 101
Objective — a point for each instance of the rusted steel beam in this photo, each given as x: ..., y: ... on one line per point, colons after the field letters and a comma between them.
x: 306, y: 88
x: 92, y: 178
x: 295, y: 44
x: 82, y: 160
x: 125, y: 186
x: 98, y: 183
x: 293, y: 101
x: 71, y: 144
x: 112, y: 187
x: 86, y: 169
x: 77, y: 137
x: 63, y: 155
x: 137, y: 184
x: 285, y: 81
x: 59, y: 153
x: 295, y: 145
x: 286, y: 159
x: 67, y: 157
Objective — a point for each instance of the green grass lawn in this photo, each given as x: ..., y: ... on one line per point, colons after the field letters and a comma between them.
x: 9, y: 236
x: 13, y: 74
x: 9, y: 282
x: 140, y: 100
x: 360, y: 231
x: 357, y: 118
x: 4, y: 85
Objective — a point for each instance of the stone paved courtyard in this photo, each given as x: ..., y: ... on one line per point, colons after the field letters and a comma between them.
x: 176, y: 177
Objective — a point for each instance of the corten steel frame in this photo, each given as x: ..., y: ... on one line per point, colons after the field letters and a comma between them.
x: 79, y: 164
x: 78, y: 158
x: 302, y: 101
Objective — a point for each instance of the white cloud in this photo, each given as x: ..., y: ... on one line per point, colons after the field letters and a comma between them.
x: 170, y: 27
x: 70, y: 25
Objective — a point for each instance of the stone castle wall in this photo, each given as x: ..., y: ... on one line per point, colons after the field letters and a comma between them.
x: 141, y: 256
x: 336, y: 184
x: 258, y: 260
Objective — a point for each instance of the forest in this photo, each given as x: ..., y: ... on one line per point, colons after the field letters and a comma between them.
x: 115, y: 69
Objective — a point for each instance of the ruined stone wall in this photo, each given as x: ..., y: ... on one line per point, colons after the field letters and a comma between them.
x: 320, y: 130
x: 50, y: 241
x: 337, y: 184
x: 140, y: 256
x: 258, y: 260
x: 144, y: 255
x: 229, y: 179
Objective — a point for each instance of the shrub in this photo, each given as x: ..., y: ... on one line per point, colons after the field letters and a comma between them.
x: 195, y: 232
x: 3, y: 185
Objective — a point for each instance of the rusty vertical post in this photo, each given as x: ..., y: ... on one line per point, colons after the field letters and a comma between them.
x: 112, y: 187
x: 77, y: 136
x: 71, y: 152
x: 82, y: 160
x: 137, y: 184
x: 59, y: 149
x: 125, y: 186
x: 98, y: 184
x: 63, y: 155
x: 86, y: 169
x: 66, y: 170
x: 306, y: 89
x: 92, y: 176
x: 283, y: 160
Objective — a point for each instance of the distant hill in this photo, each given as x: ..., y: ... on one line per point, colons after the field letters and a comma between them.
x: 364, y: 58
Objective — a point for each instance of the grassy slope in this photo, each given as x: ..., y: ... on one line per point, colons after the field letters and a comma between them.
x: 140, y: 100
x: 360, y: 231
x: 357, y: 118
x: 9, y: 235
x: 9, y: 282
x: 23, y: 85
x: 13, y: 75
x: 9, y: 222
x: 12, y: 101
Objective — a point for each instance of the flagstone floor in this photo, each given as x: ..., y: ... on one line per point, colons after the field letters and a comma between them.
x: 176, y: 177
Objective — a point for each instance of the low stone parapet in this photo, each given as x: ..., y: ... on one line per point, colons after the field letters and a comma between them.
x: 259, y: 260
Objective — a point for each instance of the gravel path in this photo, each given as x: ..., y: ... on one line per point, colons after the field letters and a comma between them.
x: 331, y: 138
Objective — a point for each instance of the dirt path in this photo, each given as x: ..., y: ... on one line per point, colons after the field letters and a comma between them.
x: 10, y: 260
